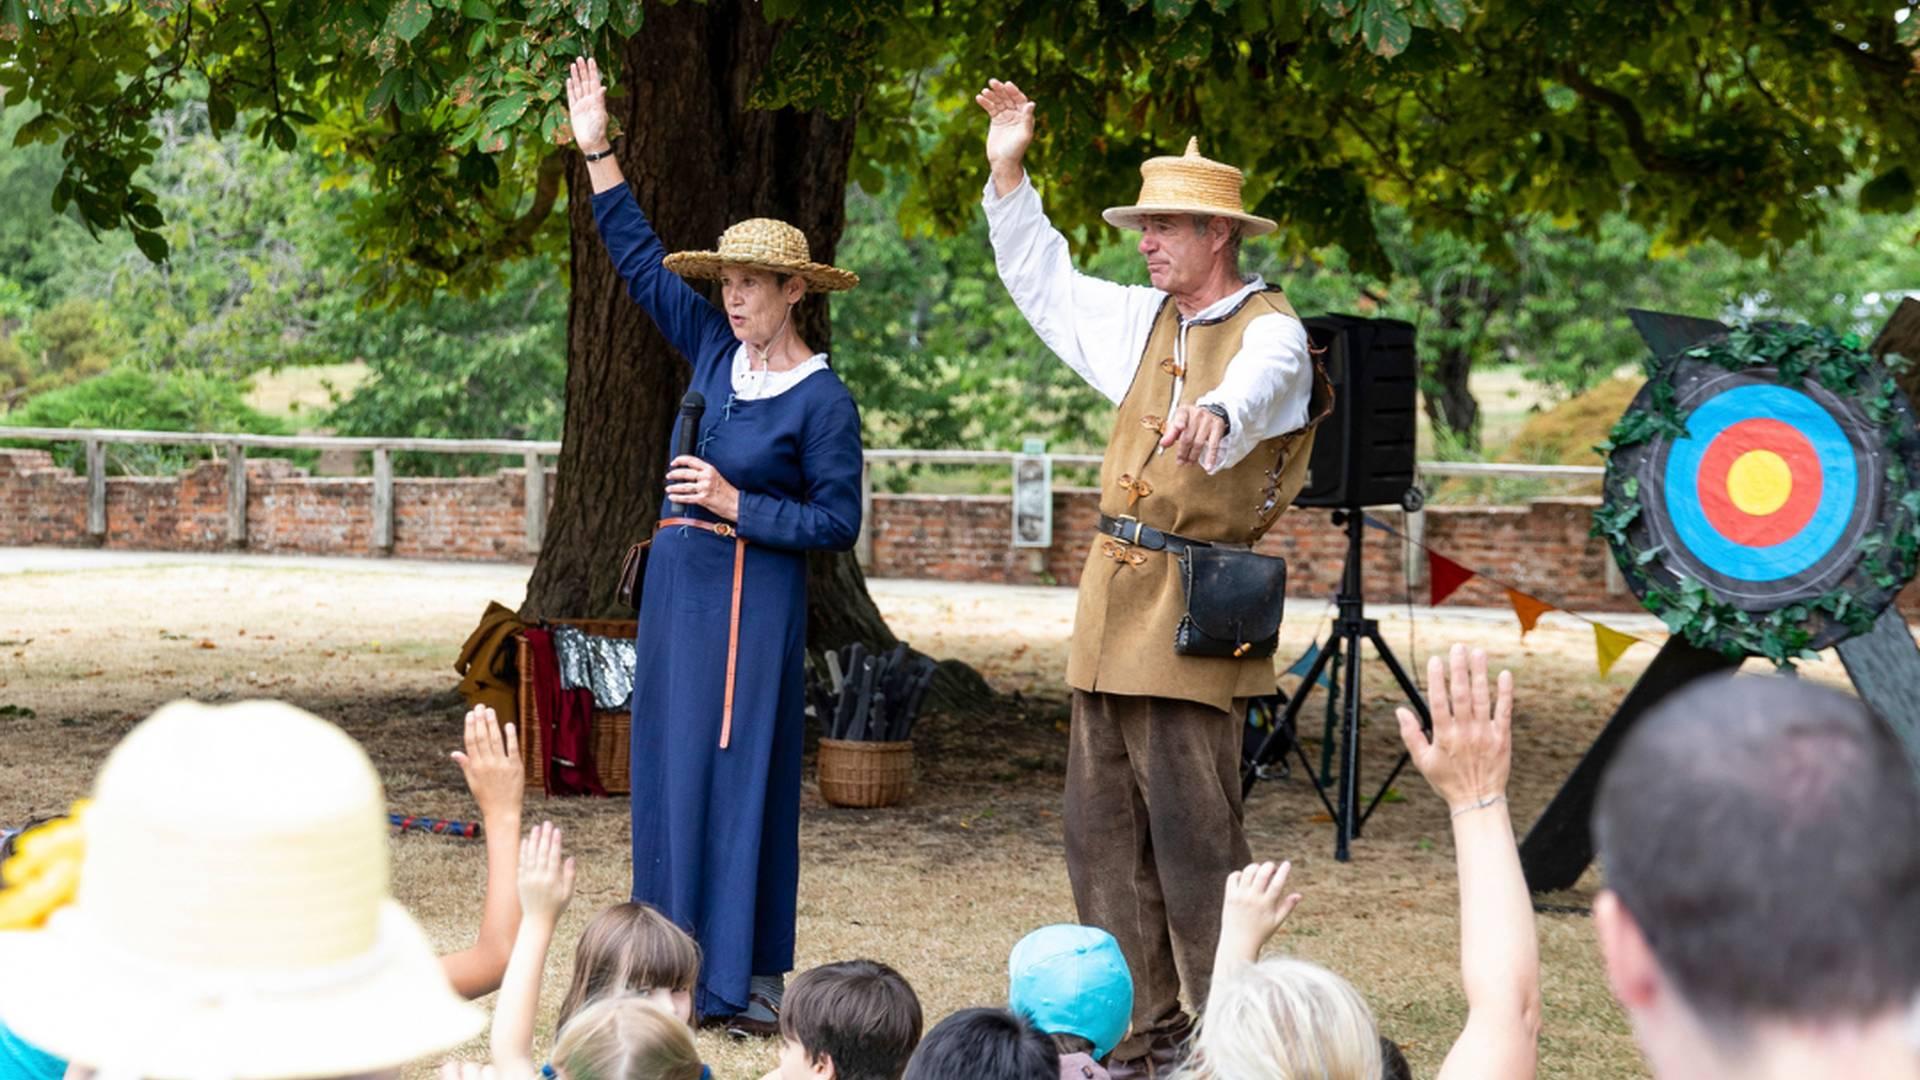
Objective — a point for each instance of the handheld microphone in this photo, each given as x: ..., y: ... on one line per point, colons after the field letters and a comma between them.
x: 687, y: 434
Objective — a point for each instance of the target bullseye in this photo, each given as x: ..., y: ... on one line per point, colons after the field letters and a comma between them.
x: 1759, y: 482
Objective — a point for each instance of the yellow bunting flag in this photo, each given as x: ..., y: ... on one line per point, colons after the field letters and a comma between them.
x: 1527, y: 608
x: 1608, y: 644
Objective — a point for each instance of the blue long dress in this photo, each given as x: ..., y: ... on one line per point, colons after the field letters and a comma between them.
x: 716, y: 833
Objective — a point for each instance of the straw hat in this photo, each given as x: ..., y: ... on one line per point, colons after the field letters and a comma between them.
x: 233, y: 918
x: 763, y: 244
x: 1189, y: 184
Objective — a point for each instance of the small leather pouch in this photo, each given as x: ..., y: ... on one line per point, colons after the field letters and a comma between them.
x: 1234, y: 600
x: 633, y: 573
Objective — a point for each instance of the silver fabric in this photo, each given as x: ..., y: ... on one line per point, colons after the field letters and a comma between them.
x: 601, y: 664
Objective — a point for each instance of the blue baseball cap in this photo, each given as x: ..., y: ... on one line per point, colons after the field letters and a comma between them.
x: 1072, y: 980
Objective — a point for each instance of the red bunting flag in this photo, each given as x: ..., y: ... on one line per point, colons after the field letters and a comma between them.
x: 1527, y: 608
x: 1444, y: 576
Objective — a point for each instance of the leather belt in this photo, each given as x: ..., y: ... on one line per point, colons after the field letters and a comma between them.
x: 725, y: 531
x: 1132, y: 530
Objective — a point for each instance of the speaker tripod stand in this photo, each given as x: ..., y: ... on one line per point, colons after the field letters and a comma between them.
x: 1350, y: 628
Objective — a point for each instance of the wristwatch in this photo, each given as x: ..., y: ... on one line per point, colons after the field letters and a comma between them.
x: 607, y: 153
x: 1220, y: 411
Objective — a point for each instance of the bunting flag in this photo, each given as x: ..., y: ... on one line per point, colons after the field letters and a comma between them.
x: 1527, y: 608
x: 1608, y: 644
x: 1300, y: 667
x: 1444, y: 576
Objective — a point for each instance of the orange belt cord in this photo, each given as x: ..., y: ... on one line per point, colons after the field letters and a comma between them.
x: 722, y: 529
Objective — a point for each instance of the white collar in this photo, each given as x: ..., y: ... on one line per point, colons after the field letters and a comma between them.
x: 1226, y: 304
x: 753, y: 384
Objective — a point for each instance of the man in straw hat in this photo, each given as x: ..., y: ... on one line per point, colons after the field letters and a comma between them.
x: 241, y: 929
x: 1217, y: 401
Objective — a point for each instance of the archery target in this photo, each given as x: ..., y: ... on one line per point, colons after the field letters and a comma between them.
x: 1769, y: 497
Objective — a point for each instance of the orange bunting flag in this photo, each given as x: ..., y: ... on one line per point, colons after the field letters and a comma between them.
x: 1608, y: 644
x: 1444, y: 576
x: 1527, y: 608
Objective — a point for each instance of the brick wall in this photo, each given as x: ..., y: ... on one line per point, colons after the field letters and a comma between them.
x: 1542, y: 547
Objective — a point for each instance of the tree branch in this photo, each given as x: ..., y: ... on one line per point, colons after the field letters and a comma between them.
x: 546, y: 191
x: 1650, y: 157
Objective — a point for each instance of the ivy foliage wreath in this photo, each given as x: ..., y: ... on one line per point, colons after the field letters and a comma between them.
x: 1887, y: 554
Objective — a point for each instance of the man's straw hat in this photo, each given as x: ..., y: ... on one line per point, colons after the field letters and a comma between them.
x: 233, y: 918
x: 1189, y: 184
x: 763, y: 244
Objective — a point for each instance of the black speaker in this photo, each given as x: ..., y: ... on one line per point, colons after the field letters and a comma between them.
x: 1363, y: 453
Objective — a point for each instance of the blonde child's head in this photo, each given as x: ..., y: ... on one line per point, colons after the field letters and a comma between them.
x: 632, y: 949
x: 625, y: 1038
x: 1283, y: 1019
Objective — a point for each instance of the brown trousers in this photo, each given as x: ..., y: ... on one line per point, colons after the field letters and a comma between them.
x: 1153, y: 823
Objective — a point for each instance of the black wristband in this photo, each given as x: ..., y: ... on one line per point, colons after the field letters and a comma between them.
x: 607, y: 153
x: 1220, y: 411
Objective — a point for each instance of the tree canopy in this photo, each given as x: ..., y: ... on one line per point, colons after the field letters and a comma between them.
x: 1696, y: 120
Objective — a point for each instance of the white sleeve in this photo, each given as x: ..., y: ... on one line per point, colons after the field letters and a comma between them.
x: 1266, y: 388
x: 1098, y: 327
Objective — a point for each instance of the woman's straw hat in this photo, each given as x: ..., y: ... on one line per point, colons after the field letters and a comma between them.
x: 763, y: 244
x: 233, y: 918
x: 1189, y: 184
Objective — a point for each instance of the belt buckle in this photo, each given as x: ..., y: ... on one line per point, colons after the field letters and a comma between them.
x: 1138, y: 525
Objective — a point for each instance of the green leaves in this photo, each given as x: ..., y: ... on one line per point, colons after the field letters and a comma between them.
x: 407, y: 18
x: 1384, y: 27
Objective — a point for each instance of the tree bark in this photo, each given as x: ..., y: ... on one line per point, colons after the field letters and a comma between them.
x: 698, y: 159
x: 1449, y: 402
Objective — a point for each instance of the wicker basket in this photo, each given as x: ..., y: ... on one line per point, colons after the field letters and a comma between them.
x: 611, y: 728
x: 864, y: 774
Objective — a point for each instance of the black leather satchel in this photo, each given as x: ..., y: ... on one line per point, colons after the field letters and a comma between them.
x: 1234, y: 597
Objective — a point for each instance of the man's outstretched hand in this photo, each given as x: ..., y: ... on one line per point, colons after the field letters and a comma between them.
x: 1009, y: 132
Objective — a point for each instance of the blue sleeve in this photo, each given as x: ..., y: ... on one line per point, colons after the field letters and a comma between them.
x: 828, y: 518
x: 689, y: 322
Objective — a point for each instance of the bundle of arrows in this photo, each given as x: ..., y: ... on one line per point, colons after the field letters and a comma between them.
x: 864, y: 697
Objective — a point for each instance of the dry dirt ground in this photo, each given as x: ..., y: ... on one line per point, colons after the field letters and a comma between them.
x: 941, y: 887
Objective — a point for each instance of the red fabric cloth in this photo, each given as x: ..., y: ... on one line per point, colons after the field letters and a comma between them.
x: 1444, y: 575
x: 566, y: 718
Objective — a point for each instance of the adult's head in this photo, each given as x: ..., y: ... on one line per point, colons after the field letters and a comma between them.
x: 854, y: 1020
x: 984, y: 1044
x: 632, y: 949
x: 1284, y: 1017
x: 764, y: 267
x: 1190, y: 221
x: 1763, y: 875
x: 233, y: 915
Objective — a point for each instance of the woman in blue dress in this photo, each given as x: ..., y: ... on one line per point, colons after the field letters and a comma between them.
x: 718, y: 694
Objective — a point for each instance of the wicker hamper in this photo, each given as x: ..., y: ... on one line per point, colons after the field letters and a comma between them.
x: 864, y: 774
x: 610, y: 730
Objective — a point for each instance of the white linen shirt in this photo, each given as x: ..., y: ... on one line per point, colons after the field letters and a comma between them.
x: 1100, y: 328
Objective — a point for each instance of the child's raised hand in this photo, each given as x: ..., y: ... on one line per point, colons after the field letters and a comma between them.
x: 546, y: 877
x: 467, y: 1070
x: 1257, y: 902
x: 491, y: 762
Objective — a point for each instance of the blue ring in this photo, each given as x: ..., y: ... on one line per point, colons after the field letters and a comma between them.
x: 1839, y: 484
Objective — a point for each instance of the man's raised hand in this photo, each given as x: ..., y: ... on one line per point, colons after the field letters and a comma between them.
x: 587, y: 105
x: 1009, y: 131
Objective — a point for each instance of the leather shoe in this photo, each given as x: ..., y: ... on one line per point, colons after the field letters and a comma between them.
x: 1165, y: 1052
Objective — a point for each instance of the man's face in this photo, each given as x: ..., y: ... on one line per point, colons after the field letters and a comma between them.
x: 1179, y: 255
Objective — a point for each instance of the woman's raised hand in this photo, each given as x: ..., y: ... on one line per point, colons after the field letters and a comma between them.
x: 1471, y: 752
x: 587, y: 105
x: 1009, y: 131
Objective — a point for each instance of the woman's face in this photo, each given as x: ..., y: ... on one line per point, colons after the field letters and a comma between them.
x: 756, y: 302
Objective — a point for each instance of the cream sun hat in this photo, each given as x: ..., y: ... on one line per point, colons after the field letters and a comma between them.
x: 233, y: 918
x: 1189, y: 184
x: 763, y: 244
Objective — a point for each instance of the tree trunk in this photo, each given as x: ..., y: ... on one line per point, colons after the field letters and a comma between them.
x: 698, y: 160
x: 1449, y: 402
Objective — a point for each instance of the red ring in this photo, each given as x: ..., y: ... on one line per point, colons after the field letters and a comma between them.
x: 1803, y: 464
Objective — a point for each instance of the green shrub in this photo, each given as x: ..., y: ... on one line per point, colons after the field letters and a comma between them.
x: 133, y: 399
